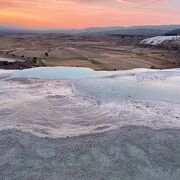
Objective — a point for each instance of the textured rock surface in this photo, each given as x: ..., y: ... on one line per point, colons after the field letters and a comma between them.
x: 50, y: 130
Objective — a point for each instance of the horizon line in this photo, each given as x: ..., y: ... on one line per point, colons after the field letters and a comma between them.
x: 13, y: 25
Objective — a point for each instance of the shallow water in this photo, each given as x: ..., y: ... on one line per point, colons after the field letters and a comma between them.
x: 83, y: 73
x: 110, y: 86
x: 113, y: 90
x: 67, y: 101
x: 62, y: 73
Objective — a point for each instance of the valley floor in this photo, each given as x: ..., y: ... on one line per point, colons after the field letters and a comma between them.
x: 99, y: 52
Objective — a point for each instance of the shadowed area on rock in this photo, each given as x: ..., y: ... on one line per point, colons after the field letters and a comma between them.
x: 128, y: 153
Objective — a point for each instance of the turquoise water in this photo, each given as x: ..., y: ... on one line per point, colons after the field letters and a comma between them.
x: 91, y: 83
x: 112, y: 90
x: 61, y: 72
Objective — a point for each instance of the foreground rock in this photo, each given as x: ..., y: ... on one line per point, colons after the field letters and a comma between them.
x: 129, y: 153
x: 50, y: 130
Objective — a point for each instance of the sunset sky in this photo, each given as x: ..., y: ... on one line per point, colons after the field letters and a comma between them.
x: 87, y: 13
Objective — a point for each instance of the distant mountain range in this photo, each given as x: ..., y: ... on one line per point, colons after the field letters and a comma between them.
x: 6, y: 29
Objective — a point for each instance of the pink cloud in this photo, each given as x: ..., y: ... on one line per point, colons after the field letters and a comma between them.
x: 6, y: 3
x: 143, y: 1
x: 83, y: 13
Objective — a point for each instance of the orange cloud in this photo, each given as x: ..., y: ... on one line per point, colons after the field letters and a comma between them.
x: 84, y: 13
